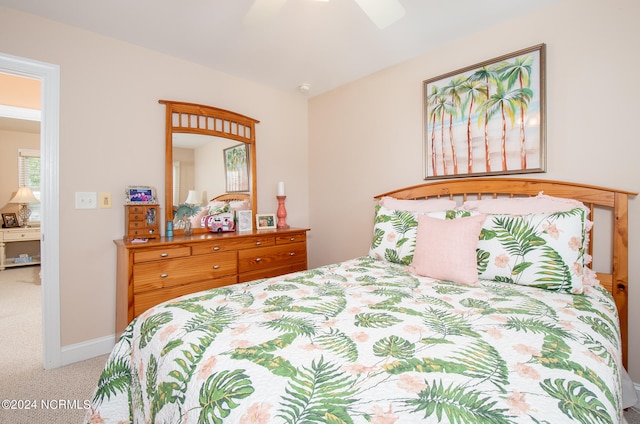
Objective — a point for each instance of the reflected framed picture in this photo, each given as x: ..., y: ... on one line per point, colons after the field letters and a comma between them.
x: 236, y: 161
x: 488, y: 118
x: 10, y: 220
x: 141, y: 195
x: 265, y: 221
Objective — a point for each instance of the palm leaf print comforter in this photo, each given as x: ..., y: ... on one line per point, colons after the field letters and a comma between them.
x: 365, y: 341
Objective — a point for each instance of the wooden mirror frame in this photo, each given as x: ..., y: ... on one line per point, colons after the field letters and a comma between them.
x: 193, y: 118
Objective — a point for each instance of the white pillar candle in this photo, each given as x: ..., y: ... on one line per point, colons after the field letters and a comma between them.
x: 280, y: 188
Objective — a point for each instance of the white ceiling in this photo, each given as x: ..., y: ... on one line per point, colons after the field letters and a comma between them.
x: 323, y: 44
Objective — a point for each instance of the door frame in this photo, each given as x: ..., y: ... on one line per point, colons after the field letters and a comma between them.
x: 49, y: 76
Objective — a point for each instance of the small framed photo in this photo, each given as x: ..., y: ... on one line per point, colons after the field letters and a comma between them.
x: 10, y: 220
x: 245, y: 223
x: 265, y: 221
x: 141, y: 195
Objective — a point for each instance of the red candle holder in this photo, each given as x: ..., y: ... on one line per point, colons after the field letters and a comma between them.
x: 282, y: 213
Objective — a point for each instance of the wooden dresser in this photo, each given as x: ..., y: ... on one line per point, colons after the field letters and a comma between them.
x: 161, y: 269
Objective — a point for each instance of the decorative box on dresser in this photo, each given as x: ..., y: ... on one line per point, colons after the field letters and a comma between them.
x: 164, y: 268
x: 142, y: 221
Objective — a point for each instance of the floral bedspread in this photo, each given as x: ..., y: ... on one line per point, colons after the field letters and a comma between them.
x: 364, y: 341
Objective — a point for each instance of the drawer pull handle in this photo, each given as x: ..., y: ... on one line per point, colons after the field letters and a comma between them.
x: 292, y: 239
x: 258, y: 243
x: 164, y: 255
x: 216, y: 248
x: 216, y: 267
x: 292, y: 254
x: 258, y: 259
x: 164, y: 275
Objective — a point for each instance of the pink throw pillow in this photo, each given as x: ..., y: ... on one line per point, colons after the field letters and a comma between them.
x: 446, y: 248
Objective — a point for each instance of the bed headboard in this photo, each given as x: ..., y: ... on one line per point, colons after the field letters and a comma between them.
x: 229, y: 197
x: 616, y: 281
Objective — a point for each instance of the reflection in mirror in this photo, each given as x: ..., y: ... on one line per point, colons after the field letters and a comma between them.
x: 197, y: 139
x: 198, y: 164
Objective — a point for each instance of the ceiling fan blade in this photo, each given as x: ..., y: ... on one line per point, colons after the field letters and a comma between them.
x: 262, y: 11
x: 382, y: 12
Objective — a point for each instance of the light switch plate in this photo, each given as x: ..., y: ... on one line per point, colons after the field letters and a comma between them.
x: 105, y: 200
x: 86, y: 200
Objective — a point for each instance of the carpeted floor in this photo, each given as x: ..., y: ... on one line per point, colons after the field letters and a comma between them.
x: 632, y: 416
x: 38, y: 396
x: 49, y: 396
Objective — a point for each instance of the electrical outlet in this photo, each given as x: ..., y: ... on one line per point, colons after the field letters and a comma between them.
x: 105, y: 200
x: 86, y: 200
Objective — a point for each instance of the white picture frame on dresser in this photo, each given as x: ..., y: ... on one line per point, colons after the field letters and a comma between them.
x: 265, y: 221
x: 245, y: 220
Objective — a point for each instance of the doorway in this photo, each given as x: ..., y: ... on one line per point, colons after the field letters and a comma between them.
x: 49, y: 76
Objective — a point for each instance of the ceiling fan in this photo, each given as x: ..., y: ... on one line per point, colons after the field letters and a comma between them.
x: 382, y: 12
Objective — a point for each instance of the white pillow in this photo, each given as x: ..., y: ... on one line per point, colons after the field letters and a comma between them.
x: 523, y: 205
x: 420, y: 205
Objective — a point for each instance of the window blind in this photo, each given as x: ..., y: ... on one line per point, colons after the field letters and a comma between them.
x: 29, y: 176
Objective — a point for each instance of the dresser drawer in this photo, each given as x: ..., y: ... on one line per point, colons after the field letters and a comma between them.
x: 139, y: 224
x: 209, y: 247
x: 19, y: 235
x: 161, y: 254
x: 163, y: 274
x: 133, y: 209
x: 292, y: 238
x: 137, y: 217
x: 144, y: 232
x: 232, y: 244
x: 271, y: 257
x: 144, y: 301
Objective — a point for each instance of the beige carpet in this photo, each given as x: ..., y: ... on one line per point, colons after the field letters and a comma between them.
x: 53, y: 396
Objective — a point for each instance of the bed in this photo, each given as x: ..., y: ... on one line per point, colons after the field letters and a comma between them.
x: 384, y: 338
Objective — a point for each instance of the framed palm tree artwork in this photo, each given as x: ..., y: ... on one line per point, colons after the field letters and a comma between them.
x: 488, y: 118
x: 236, y: 161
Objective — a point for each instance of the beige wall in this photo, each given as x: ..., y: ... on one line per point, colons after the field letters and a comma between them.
x: 112, y: 136
x: 366, y: 137
x: 19, y: 91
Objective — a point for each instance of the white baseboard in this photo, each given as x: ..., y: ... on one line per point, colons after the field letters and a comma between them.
x: 86, y: 350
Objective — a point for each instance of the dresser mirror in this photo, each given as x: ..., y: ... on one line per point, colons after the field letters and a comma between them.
x: 198, y: 138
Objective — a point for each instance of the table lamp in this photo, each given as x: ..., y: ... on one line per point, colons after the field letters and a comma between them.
x: 192, y: 198
x: 23, y: 197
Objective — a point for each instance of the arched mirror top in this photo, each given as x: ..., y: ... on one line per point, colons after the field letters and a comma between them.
x: 189, y: 118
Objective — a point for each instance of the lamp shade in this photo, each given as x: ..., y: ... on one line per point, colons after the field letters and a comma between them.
x: 192, y: 198
x: 24, y: 195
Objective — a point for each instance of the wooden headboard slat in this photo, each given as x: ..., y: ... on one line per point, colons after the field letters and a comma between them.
x: 616, y: 282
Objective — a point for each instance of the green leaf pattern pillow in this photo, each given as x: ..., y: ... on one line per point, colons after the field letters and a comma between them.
x: 540, y: 250
x: 544, y: 250
x: 394, y: 232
